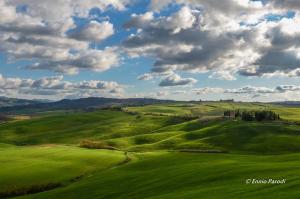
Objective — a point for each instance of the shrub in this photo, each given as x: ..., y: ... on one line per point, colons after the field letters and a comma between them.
x: 91, y: 144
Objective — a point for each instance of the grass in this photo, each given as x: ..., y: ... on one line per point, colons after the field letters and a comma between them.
x: 288, y: 113
x: 204, y: 109
x: 43, y: 152
x: 73, y: 127
x: 26, y: 167
x: 162, y: 175
x: 153, y: 132
x: 168, y: 109
x: 230, y: 136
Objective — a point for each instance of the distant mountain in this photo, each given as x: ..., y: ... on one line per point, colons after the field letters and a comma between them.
x: 83, y: 103
x: 9, y: 102
x: 288, y: 103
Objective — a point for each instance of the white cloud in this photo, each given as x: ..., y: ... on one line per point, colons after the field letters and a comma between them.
x: 208, y: 90
x: 90, y: 59
x: 286, y: 88
x: 139, y: 20
x: 46, y: 33
x: 161, y: 93
x: 181, y: 20
x: 94, y: 31
x: 176, y: 80
x: 279, y: 92
x: 251, y: 90
x: 146, y: 76
x: 56, y: 87
x: 178, y: 92
x: 157, y: 5
x: 228, y: 38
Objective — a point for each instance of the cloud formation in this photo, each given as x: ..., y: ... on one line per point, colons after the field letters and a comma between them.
x: 227, y: 38
x: 208, y: 90
x: 176, y: 80
x: 224, y: 39
x: 90, y: 59
x: 47, y: 33
x: 56, y: 86
x: 94, y: 31
x: 263, y: 91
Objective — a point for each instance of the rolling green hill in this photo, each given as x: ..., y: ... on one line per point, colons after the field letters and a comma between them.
x: 73, y: 127
x: 219, y: 153
x: 228, y: 136
x: 205, y: 109
x: 151, y: 132
x: 25, y: 169
x: 162, y: 175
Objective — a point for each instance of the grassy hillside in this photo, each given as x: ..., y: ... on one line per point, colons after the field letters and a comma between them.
x: 204, y: 109
x: 229, y: 136
x: 25, y: 168
x: 163, y: 175
x: 288, y: 113
x: 143, y: 132
x: 73, y: 127
x: 223, y: 153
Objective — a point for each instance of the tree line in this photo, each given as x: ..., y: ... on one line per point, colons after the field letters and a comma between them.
x: 261, y: 115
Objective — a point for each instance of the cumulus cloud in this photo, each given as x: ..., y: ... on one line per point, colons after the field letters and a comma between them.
x: 208, y: 90
x: 161, y: 93
x: 47, y: 33
x: 176, y: 80
x: 251, y: 90
x: 56, y: 87
x: 264, y: 91
x: 228, y: 38
x: 154, y: 75
x: 290, y: 4
x: 181, y: 20
x: 225, y: 38
x: 96, y: 60
x: 139, y: 20
x: 146, y: 76
x: 285, y: 88
x: 180, y: 46
x: 94, y: 31
x: 178, y: 92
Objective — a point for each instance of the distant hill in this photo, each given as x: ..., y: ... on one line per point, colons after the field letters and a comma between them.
x: 9, y: 102
x: 288, y: 103
x: 83, y: 103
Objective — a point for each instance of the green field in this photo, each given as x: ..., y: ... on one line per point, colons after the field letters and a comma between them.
x: 184, y: 175
x: 161, y: 151
x: 24, y: 168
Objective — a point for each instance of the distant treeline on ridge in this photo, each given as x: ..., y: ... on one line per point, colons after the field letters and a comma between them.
x: 260, y: 115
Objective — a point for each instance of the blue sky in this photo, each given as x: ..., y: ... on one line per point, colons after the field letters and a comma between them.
x: 173, y: 49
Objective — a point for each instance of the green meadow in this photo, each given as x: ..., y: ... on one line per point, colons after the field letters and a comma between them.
x: 166, y: 151
x: 25, y: 167
x: 187, y: 175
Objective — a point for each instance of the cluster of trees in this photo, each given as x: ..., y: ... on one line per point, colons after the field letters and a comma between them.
x: 232, y: 113
x: 252, y: 115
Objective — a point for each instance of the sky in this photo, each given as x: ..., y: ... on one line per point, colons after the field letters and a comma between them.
x: 246, y: 50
